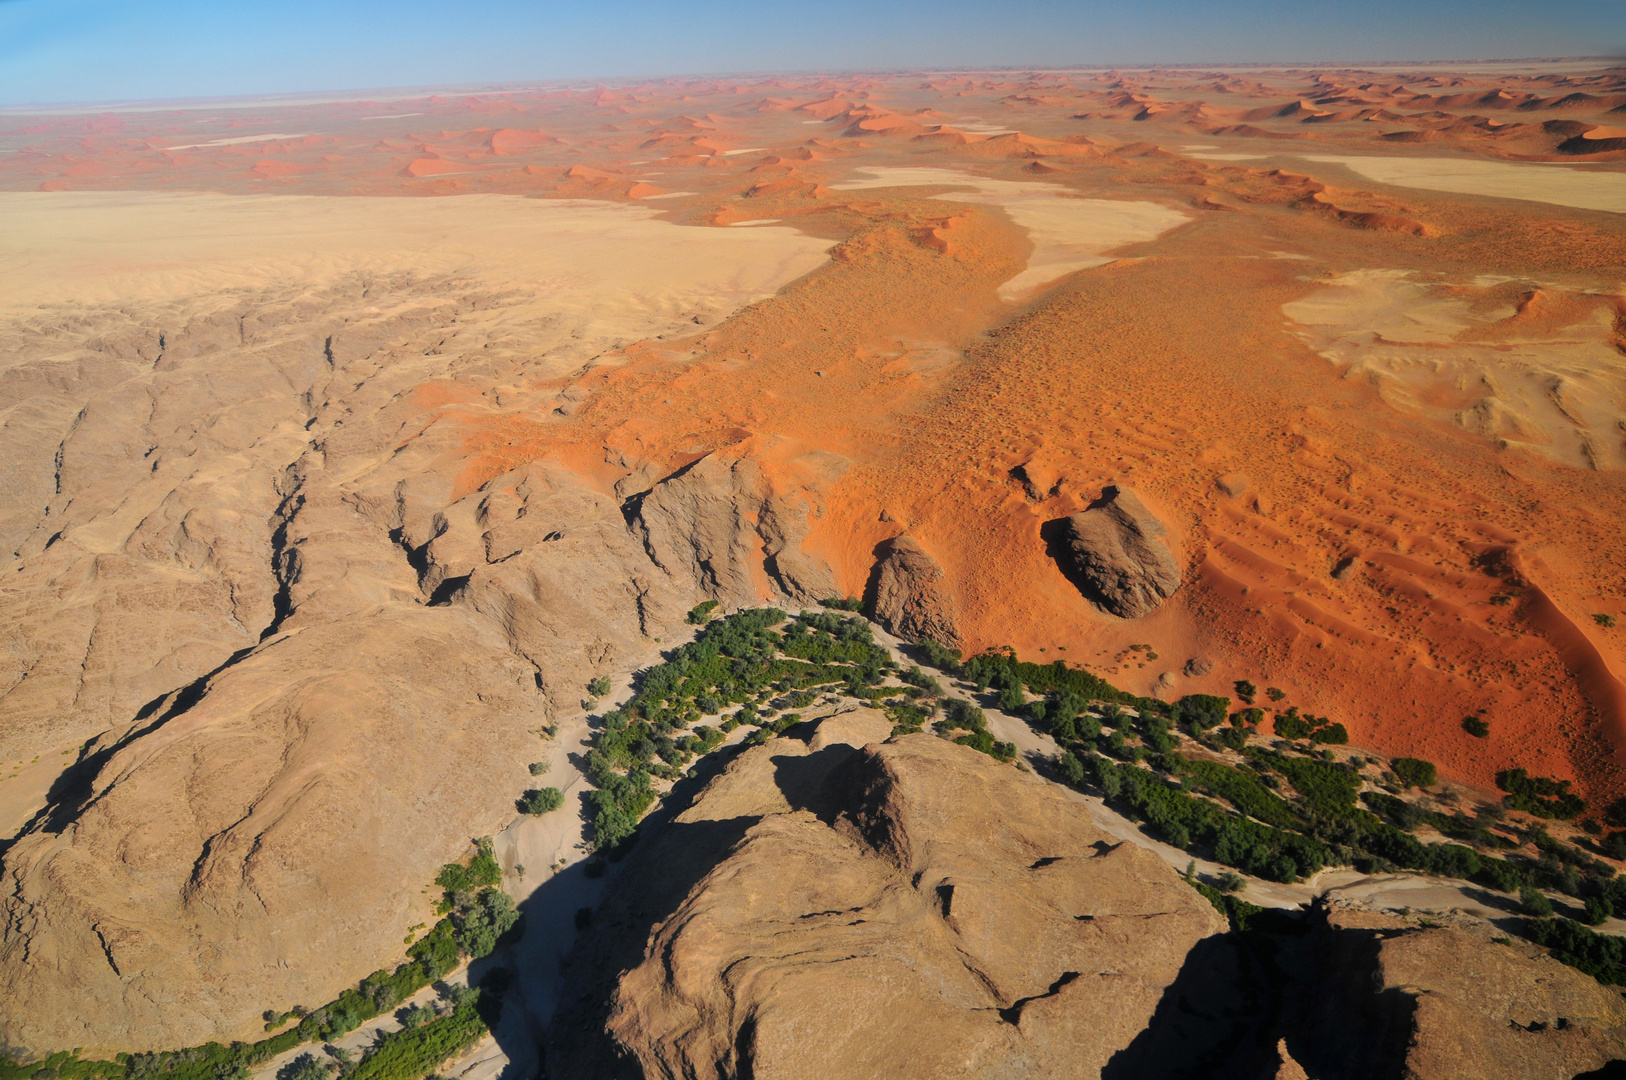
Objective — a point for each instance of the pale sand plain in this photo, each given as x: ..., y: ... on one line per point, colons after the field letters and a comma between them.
x: 615, y: 270
x: 1560, y: 185
x: 1068, y: 232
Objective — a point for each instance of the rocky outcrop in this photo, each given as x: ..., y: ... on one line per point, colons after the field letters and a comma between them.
x: 1116, y: 553
x: 911, y: 599
x: 716, y: 527
x: 908, y: 909
x: 1450, y: 1003
x: 1355, y: 994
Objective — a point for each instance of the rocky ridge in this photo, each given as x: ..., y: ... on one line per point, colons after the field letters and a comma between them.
x: 924, y: 909
x: 295, y: 665
x: 837, y: 902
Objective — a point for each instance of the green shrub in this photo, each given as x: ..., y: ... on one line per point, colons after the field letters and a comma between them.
x: 1476, y: 727
x: 539, y: 767
x: 542, y: 800
x: 940, y: 657
x: 1291, y: 725
x: 1414, y: 772
x: 1599, y: 955
x: 409, y: 1054
x: 600, y: 686
x: 307, y: 1067
x: 1248, y: 718
x: 482, y: 872
x: 417, y: 1016
x: 1237, y: 911
x: 1242, y: 790
x: 1500, y: 874
x: 701, y: 612
x: 844, y: 603
x: 1246, y: 691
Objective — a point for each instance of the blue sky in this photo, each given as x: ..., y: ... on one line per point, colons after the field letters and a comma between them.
x: 110, y: 50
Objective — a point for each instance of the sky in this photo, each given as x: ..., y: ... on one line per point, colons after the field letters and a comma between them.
x: 61, y: 51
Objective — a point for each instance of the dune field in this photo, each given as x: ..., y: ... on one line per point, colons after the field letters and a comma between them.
x: 347, y: 441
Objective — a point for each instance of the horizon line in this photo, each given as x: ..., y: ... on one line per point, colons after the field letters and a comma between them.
x: 328, y: 96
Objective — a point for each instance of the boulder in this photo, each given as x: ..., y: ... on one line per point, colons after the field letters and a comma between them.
x: 1116, y: 553
x: 912, y: 599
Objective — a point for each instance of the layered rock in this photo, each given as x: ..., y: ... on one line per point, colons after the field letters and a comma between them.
x: 911, y: 908
x: 1116, y: 552
x: 911, y: 597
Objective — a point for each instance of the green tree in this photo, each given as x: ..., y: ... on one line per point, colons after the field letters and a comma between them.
x: 599, y: 686
x: 1534, y: 903
x: 542, y: 800
x: 1414, y: 772
x: 1200, y: 712
x: 306, y: 1067
x: 1597, y: 911
x: 490, y: 917
x: 416, y: 1016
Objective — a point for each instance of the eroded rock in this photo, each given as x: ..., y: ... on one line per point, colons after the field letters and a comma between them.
x: 1115, y: 550
x: 909, y: 909
x: 912, y: 599
x: 1449, y: 1003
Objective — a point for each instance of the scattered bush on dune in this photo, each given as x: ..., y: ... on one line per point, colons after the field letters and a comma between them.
x: 1538, y: 795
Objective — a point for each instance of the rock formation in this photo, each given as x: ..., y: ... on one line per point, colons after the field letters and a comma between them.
x: 292, y: 662
x: 716, y: 523
x: 1448, y: 1003
x: 911, y: 598
x: 1356, y: 993
x: 1116, y: 552
x: 909, y: 909
x: 832, y: 904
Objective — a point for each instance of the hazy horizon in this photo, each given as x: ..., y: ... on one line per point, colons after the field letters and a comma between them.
x: 63, y: 52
